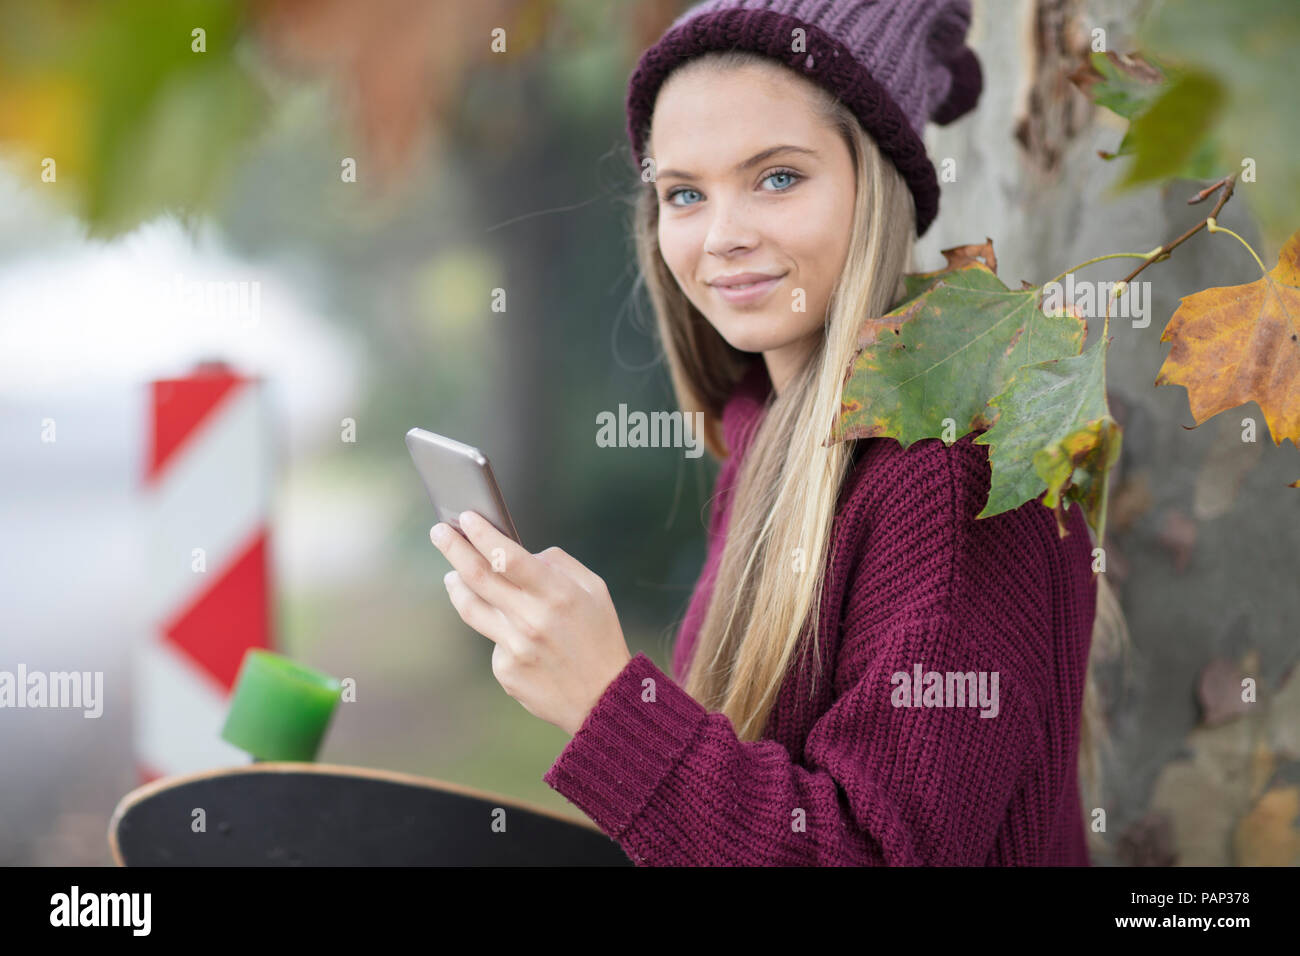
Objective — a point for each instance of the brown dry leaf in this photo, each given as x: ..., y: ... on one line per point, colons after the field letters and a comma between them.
x: 1213, y: 798
x: 959, y: 256
x: 1207, y: 795
x: 1239, y: 344
x: 1202, y: 812
x: 1266, y: 836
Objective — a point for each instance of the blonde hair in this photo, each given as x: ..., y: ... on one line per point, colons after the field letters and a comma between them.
x: 789, y: 483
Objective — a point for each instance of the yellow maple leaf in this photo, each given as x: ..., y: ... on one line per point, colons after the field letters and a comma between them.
x: 1239, y: 344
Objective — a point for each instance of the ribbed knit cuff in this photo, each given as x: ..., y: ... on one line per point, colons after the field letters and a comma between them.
x: 626, y: 746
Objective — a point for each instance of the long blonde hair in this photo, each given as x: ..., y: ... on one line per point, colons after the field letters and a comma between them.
x: 789, y: 483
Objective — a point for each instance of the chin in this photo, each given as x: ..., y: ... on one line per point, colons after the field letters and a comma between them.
x: 751, y: 343
x: 747, y: 331
x: 756, y: 332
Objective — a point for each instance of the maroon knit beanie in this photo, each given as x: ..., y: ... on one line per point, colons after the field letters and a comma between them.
x: 894, y: 63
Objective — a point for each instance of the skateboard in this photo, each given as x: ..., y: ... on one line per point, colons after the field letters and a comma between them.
x: 308, y: 814
x: 285, y: 810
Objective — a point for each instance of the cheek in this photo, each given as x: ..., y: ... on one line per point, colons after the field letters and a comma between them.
x: 672, y: 249
x: 681, y: 250
x: 817, y: 240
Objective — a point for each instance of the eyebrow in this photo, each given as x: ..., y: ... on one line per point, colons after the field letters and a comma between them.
x: 741, y: 167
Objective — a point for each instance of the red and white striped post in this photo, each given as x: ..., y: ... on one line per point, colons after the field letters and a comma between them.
x: 207, y: 491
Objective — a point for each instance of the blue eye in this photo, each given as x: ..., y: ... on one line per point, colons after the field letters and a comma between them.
x: 788, y: 173
x: 673, y: 193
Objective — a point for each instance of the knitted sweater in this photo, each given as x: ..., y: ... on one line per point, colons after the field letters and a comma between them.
x: 861, y: 774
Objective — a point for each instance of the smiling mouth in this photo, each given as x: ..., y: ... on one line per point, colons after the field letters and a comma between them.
x: 747, y: 285
x: 750, y: 292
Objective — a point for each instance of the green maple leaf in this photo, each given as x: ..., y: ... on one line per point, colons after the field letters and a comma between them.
x: 1171, y: 109
x: 941, y: 354
x: 1172, y: 137
x: 1054, y: 415
x: 1246, y: 48
x: 972, y: 276
x: 1127, y: 85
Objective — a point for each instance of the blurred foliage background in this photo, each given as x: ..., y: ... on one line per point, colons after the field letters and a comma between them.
x: 476, y: 170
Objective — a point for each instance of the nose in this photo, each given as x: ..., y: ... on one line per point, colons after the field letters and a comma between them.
x: 731, y: 228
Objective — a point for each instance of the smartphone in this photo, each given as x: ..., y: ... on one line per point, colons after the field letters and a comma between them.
x: 458, y: 477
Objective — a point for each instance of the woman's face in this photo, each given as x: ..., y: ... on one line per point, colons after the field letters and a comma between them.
x: 751, y: 184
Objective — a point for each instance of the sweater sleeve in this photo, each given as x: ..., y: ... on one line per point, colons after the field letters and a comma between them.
x: 879, y: 783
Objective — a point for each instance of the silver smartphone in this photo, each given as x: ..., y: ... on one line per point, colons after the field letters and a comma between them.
x: 458, y: 477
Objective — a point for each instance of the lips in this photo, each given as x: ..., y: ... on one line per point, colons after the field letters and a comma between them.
x: 743, y: 280
x: 746, y: 289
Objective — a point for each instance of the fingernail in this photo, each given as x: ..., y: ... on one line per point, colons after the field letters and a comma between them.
x: 467, y: 519
x: 439, y: 534
x: 446, y: 578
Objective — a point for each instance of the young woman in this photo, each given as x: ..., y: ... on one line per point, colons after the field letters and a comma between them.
x: 802, y: 724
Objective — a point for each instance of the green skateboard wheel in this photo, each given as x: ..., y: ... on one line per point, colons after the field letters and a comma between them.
x: 279, y: 710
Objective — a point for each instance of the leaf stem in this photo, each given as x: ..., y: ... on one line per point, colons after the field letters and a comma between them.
x: 1160, y: 255
x: 1112, y: 255
x: 1213, y: 226
x: 1226, y: 184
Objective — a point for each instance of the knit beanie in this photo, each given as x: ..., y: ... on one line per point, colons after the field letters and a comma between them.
x: 894, y: 63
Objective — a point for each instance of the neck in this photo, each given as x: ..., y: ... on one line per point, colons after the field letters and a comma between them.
x: 784, y: 363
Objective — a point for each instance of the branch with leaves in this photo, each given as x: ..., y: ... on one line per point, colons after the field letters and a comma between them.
x: 962, y: 352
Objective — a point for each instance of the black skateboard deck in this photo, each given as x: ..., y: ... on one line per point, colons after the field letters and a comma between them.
x: 307, y: 814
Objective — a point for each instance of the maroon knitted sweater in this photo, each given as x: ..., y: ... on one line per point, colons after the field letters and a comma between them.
x: 862, y: 774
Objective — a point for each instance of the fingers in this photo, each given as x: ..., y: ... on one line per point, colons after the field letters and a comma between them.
x: 474, y: 570
x: 508, y: 558
x: 564, y: 562
x: 476, y: 612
